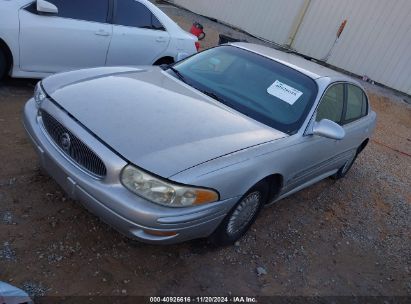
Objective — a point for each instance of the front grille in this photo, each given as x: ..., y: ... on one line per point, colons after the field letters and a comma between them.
x: 73, y: 147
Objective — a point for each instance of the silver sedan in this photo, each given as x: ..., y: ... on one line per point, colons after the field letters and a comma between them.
x: 193, y: 150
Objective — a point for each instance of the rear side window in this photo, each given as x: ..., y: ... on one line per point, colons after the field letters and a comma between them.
x: 356, y: 103
x: 88, y: 10
x: 156, y: 24
x: 332, y: 104
x: 135, y: 14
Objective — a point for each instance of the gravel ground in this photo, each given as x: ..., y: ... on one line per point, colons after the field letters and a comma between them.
x: 347, y: 237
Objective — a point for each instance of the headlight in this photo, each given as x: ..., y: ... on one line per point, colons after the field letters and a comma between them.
x: 39, y: 95
x: 165, y: 193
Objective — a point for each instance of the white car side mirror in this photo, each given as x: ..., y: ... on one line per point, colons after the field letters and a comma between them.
x: 46, y: 7
x: 329, y: 129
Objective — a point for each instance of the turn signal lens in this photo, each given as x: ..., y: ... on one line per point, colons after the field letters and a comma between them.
x: 205, y: 196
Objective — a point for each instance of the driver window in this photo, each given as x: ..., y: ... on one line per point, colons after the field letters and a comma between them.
x: 332, y: 104
x: 87, y: 10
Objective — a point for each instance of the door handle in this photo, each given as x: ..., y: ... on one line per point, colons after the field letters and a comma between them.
x: 102, y: 33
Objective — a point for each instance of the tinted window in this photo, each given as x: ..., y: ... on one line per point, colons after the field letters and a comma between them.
x: 356, y: 103
x: 156, y: 24
x: 254, y: 85
x: 89, y: 10
x: 135, y: 14
x: 332, y: 104
x: 32, y: 8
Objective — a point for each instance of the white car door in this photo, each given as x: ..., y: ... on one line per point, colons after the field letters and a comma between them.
x: 138, y: 36
x: 77, y: 37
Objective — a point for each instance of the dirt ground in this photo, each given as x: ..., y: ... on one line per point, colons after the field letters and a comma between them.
x: 347, y: 237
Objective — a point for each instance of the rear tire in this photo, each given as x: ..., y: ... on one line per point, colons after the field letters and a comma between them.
x: 3, y: 65
x: 241, y: 217
x: 342, y: 172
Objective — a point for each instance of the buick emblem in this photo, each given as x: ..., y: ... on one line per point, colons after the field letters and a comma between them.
x: 65, y: 142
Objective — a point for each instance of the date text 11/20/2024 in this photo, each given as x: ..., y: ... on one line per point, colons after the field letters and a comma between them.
x: 232, y: 299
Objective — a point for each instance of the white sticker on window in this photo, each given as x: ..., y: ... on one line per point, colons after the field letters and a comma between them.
x: 284, y: 92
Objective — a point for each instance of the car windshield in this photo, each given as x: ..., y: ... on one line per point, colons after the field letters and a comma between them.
x: 254, y: 85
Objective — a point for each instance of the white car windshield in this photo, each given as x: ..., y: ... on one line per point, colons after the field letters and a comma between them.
x: 261, y: 88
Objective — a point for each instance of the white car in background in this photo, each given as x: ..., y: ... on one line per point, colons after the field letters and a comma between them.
x: 39, y: 38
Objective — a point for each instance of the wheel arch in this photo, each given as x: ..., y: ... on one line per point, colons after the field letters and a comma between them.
x: 164, y: 60
x: 363, y: 145
x: 275, y: 184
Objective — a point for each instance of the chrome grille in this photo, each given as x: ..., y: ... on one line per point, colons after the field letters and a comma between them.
x: 73, y: 147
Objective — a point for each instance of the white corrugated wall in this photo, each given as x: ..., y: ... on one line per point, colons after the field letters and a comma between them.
x: 269, y: 19
x: 375, y: 42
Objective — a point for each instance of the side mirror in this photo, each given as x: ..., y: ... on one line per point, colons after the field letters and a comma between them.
x: 329, y: 129
x: 46, y: 7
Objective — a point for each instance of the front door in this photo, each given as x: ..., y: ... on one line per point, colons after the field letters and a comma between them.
x: 318, y: 155
x: 77, y: 37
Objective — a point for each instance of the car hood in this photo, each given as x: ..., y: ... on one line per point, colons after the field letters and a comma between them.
x: 154, y: 120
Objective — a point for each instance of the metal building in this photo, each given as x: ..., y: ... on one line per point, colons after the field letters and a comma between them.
x: 364, y: 37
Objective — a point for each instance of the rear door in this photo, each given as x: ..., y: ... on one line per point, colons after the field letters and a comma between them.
x: 77, y: 37
x: 139, y: 38
x: 355, y: 122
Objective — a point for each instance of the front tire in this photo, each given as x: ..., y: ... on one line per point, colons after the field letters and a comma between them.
x: 241, y: 217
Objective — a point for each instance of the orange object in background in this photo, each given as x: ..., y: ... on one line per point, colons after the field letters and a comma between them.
x: 341, y: 29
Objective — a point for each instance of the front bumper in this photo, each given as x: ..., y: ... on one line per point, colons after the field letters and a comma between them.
x: 107, y: 198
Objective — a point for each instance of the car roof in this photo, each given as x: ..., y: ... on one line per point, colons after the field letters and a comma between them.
x: 299, y: 63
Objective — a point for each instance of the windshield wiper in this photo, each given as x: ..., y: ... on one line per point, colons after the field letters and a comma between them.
x: 213, y: 95
x: 177, y: 72
x: 182, y: 78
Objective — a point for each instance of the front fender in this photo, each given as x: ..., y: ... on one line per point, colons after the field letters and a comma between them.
x: 234, y: 174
